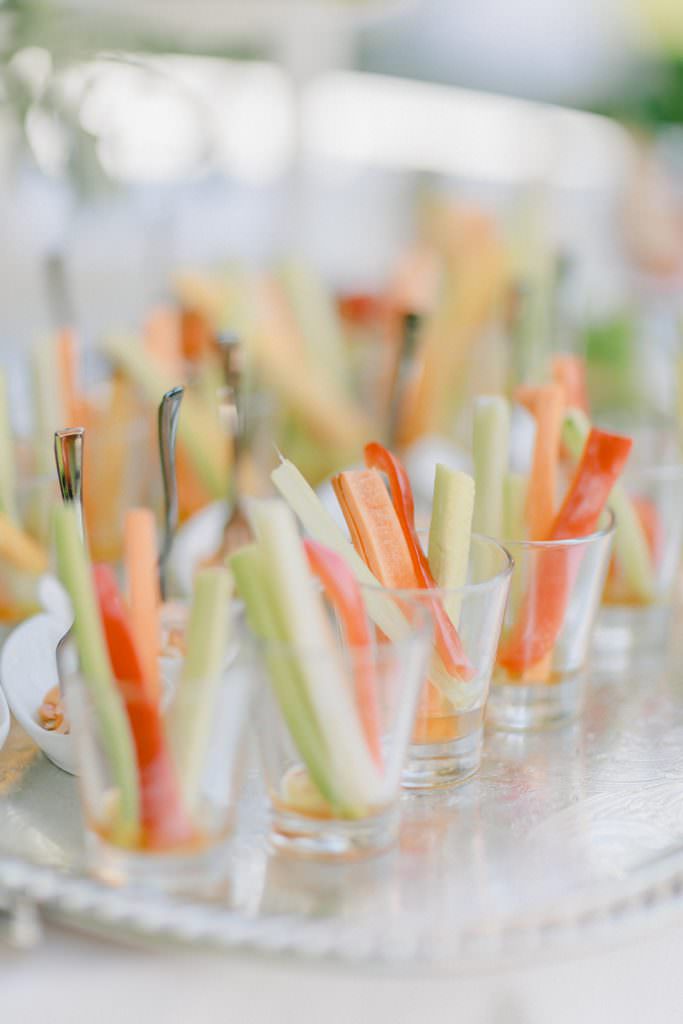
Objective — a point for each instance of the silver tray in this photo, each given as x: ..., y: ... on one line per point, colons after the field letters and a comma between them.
x: 566, y: 839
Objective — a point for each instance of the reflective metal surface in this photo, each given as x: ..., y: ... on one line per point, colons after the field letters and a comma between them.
x: 566, y: 837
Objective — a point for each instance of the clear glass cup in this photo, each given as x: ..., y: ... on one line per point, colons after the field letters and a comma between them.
x: 636, y: 613
x: 334, y: 794
x: 555, y: 590
x: 447, y: 737
x: 184, y: 845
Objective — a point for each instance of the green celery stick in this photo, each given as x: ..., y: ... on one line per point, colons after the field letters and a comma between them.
x: 254, y: 587
x: 317, y: 319
x: 514, y: 527
x: 8, y: 495
x: 197, y: 427
x: 74, y: 572
x: 630, y: 541
x: 450, y: 531
x: 195, y: 701
x: 491, y: 438
x: 307, y: 628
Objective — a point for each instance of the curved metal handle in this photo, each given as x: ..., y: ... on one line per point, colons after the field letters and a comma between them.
x: 169, y: 411
x: 69, y: 459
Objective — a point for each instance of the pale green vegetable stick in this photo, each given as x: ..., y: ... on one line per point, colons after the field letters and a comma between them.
x: 195, y: 702
x: 74, y: 572
x: 630, y: 541
x: 254, y: 588
x: 490, y: 442
x: 514, y: 527
x: 450, y: 532
x: 8, y: 497
x: 300, y: 605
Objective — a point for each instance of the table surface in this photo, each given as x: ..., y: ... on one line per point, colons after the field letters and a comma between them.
x: 75, y: 979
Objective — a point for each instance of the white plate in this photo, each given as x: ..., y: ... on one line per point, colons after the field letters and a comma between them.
x: 28, y: 669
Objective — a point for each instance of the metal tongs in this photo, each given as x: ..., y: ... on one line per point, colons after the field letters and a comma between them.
x: 68, y: 447
x: 169, y: 411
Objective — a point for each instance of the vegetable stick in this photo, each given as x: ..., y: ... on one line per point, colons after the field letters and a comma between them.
x: 569, y: 371
x: 285, y: 674
x: 8, y: 495
x: 447, y: 640
x: 546, y: 404
x: 307, y: 628
x: 20, y: 550
x: 162, y: 340
x: 514, y: 527
x: 75, y: 573
x: 450, y: 532
x: 195, y: 701
x: 317, y: 320
x: 162, y: 817
x: 631, y: 546
x: 542, y: 613
x: 374, y: 527
x: 345, y: 596
x: 491, y: 438
x: 48, y: 407
x: 144, y: 598
x: 67, y: 360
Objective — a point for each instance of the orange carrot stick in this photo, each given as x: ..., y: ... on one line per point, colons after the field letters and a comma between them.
x: 569, y: 371
x: 67, y: 360
x: 547, y: 406
x: 140, y: 543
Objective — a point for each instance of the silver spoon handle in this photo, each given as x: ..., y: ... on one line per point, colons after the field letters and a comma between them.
x: 69, y: 459
x: 169, y: 411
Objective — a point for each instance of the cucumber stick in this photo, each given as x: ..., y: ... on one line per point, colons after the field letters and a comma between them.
x: 198, y: 429
x: 299, y: 603
x: 490, y: 443
x: 195, y: 703
x: 630, y: 541
x: 318, y: 320
x: 8, y: 494
x: 74, y: 572
x: 254, y: 586
x: 514, y: 528
x: 450, y: 532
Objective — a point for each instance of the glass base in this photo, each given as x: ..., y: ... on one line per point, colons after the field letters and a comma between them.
x: 332, y: 838
x: 535, y: 705
x: 624, y: 632
x: 437, y: 765
x: 199, y: 873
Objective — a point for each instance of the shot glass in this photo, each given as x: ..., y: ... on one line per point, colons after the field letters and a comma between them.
x: 447, y: 737
x: 637, y: 604
x: 555, y: 594
x: 334, y: 726
x: 159, y: 805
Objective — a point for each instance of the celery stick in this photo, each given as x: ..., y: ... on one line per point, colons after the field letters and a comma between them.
x: 199, y: 430
x: 317, y: 319
x: 74, y: 572
x: 299, y: 603
x: 8, y: 495
x: 514, y: 505
x: 47, y: 403
x: 317, y: 522
x: 491, y: 438
x: 450, y: 531
x: 630, y: 541
x: 254, y: 587
x: 195, y: 701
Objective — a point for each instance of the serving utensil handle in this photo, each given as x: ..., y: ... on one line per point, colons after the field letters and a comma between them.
x: 68, y: 447
x: 169, y: 411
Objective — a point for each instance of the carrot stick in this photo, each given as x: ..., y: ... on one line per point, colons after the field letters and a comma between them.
x: 140, y: 545
x: 344, y: 593
x: 547, y: 406
x: 67, y: 360
x: 542, y: 613
x: 569, y: 372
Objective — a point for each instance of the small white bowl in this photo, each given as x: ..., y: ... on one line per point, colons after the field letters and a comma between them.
x: 28, y: 669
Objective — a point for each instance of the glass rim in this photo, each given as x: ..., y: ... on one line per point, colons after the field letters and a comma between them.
x: 568, y: 542
x: 490, y: 583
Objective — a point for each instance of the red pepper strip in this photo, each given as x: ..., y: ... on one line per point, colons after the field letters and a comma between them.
x: 164, y: 822
x: 344, y: 593
x: 542, y: 614
x: 448, y: 643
